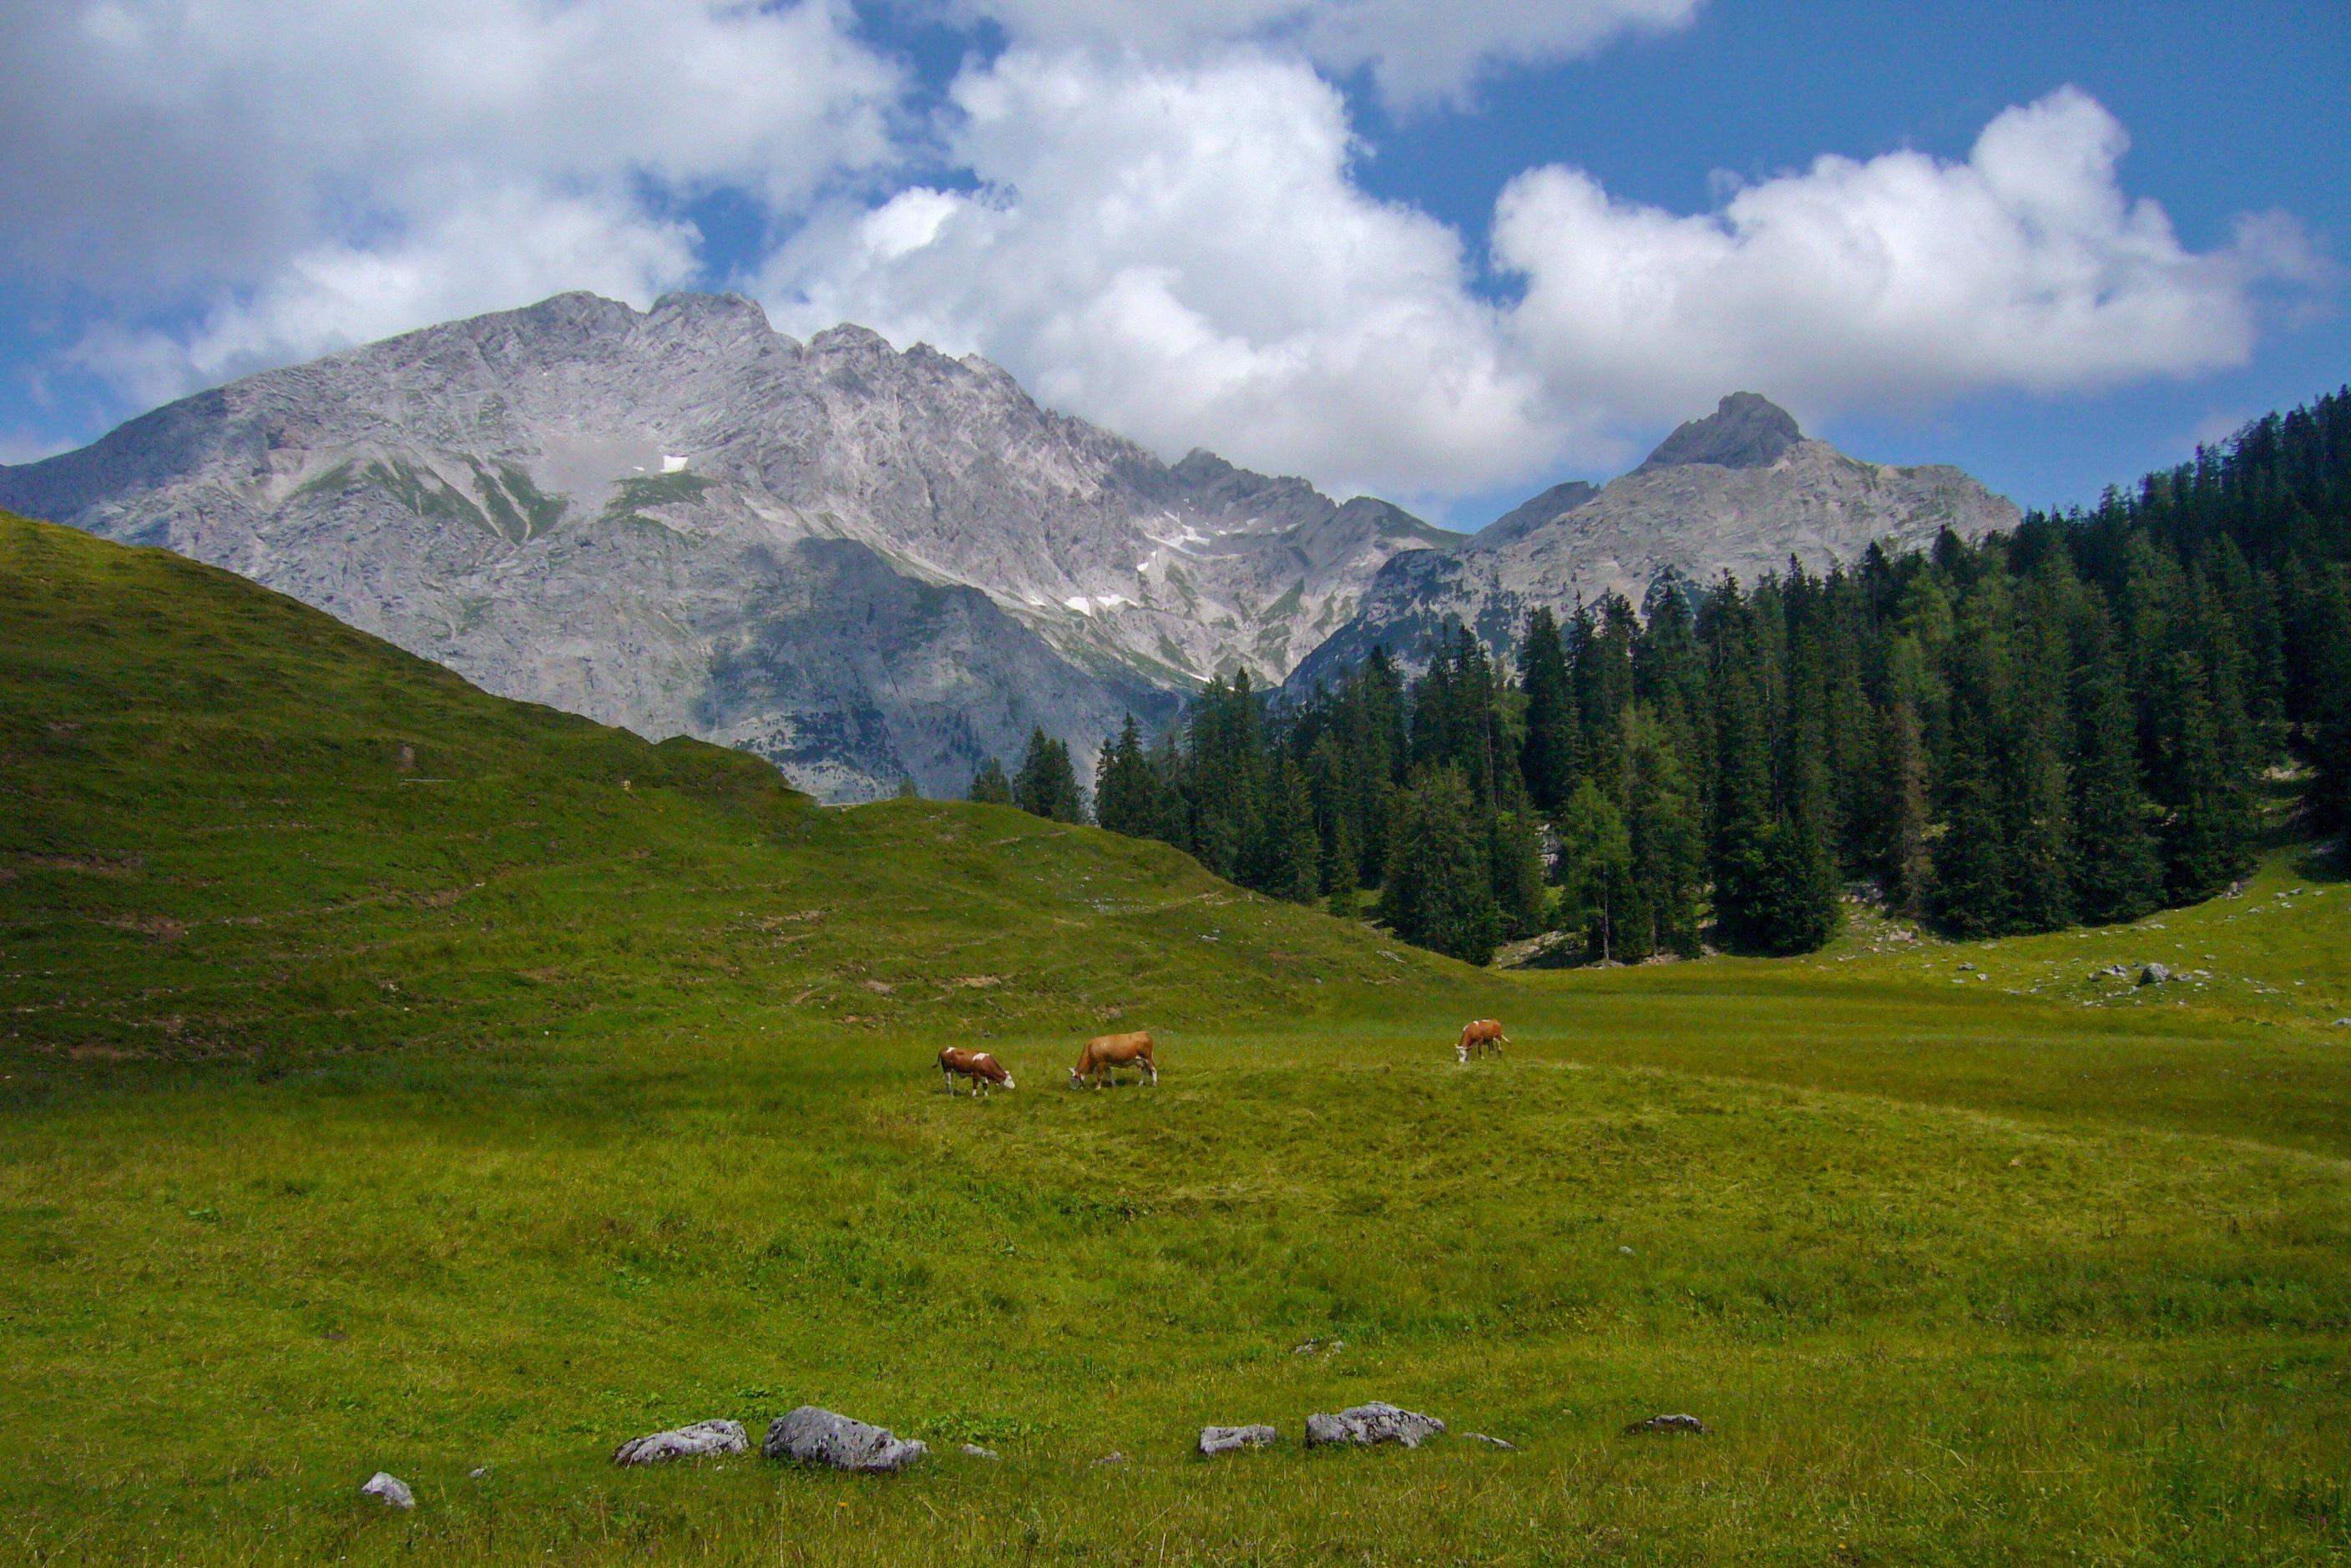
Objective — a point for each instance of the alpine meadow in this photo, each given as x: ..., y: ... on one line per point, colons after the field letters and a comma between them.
x: 1274, y: 784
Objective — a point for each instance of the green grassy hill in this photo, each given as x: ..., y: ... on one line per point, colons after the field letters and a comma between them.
x: 395, y: 1077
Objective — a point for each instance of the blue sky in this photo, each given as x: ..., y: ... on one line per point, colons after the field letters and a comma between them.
x: 1450, y: 258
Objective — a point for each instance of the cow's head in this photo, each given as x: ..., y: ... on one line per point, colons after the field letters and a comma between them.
x: 1076, y: 1079
x: 1461, y: 1051
x: 1009, y: 1084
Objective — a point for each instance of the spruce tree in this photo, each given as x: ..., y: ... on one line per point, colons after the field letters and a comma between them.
x: 1548, y: 759
x: 989, y: 786
x: 1595, y: 853
x: 1439, y: 890
x: 1518, y: 862
x: 1047, y: 786
x: 2118, y: 874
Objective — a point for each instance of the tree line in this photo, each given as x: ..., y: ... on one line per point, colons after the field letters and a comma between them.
x: 2070, y: 723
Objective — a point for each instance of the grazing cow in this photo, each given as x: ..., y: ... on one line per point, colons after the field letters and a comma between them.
x: 977, y: 1065
x: 1106, y: 1052
x: 1479, y: 1036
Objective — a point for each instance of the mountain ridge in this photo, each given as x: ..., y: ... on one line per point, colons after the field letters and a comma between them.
x: 600, y: 507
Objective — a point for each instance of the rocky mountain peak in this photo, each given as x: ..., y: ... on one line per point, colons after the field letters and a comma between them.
x: 850, y: 338
x: 1746, y: 430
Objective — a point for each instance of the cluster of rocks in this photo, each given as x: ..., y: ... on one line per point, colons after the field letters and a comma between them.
x: 812, y: 1436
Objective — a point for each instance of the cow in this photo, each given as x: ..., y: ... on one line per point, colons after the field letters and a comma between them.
x: 977, y: 1065
x: 1106, y: 1052
x: 1479, y: 1037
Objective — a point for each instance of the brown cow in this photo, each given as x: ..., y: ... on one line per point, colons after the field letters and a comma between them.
x: 1479, y: 1037
x: 977, y: 1065
x: 1106, y: 1052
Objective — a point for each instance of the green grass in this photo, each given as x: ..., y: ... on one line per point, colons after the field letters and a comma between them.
x: 487, y: 1103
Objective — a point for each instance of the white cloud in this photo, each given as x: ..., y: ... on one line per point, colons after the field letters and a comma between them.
x: 491, y: 250
x: 1901, y: 278
x: 327, y: 171
x: 1417, y: 52
x: 1179, y: 253
x: 1163, y: 230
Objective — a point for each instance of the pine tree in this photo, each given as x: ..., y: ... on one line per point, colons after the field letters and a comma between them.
x: 1518, y: 862
x: 2118, y: 875
x: 989, y: 786
x: 1548, y: 759
x: 1439, y: 891
x: 1668, y: 847
x: 1285, y: 857
x: 1342, y: 891
x: 1125, y: 792
x: 1596, y: 853
x: 1047, y: 786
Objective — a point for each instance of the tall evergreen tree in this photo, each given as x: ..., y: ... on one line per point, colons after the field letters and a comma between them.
x: 1047, y: 786
x: 989, y: 786
x: 1439, y: 892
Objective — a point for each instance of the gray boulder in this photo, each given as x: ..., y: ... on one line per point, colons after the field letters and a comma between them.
x: 1215, y: 1440
x: 809, y: 1435
x: 1689, y: 1425
x: 1364, y: 1424
x: 683, y: 1443
x: 2155, y: 975
x: 388, y: 1489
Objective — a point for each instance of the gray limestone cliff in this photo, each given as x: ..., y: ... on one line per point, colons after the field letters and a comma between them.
x: 861, y: 563
x: 1741, y: 491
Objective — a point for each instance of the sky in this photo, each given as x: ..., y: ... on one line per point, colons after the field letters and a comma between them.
x: 1447, y: 255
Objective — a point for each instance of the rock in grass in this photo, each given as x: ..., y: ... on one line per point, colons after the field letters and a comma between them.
x: 683, y: 1443
x: 1112, y: 1458
x: 809, y: 1435
x: 1491, y: 1442
x: 1688, y: 1424
x: 2155, y: 975
x: 1215, y: 1440
x: 1364, y: 1424
x: 388, y: 1489
x: 973, y: 1451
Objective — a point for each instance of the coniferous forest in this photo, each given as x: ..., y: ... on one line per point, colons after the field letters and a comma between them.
x: 2069, y: 724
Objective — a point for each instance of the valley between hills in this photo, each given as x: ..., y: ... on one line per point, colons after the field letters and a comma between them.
x: 397, y: 1076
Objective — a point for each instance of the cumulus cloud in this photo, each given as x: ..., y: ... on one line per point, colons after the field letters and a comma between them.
x: 1179, y: 253
x: 1901, y: 278
x: 1416, y: 52
x: 1153, y: 217
x: 325, y: 171
x: 488, y: 251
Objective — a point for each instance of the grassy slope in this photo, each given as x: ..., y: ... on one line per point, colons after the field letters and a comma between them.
x: 1958, y: 1270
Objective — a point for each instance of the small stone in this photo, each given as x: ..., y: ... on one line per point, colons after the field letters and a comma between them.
x: 2155, y: 975
x: 718, y: 1437
x: 973, y: 1451
x: 2343, y: 1023
x: 1689, y: 1424
x: 1491, y: 1442
x: 1215, y: 1440
x: 1626, y: 1251
x: 1364, y: 1424
x: 388, y: 1489
x: 811, y: 1436
x: 1112, y: 1458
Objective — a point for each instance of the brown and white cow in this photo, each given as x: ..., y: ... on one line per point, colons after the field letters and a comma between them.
x: 977, y: 1065
x: 1106, y: 1052
x: 1479, y: 1037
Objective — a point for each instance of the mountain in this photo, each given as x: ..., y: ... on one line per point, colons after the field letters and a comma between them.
x: 862, y: 564
x: 1741, y: 490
